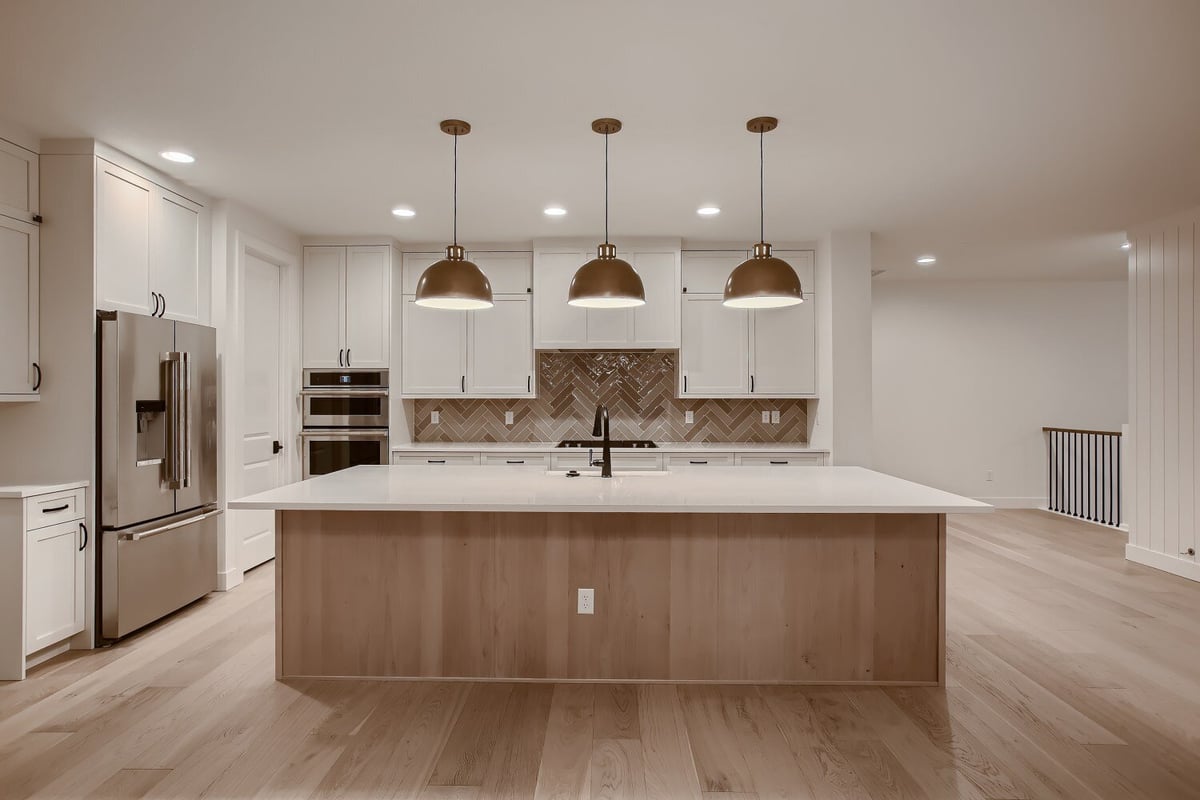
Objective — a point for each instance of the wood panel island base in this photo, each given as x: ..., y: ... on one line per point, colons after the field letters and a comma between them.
x: 819, y: 575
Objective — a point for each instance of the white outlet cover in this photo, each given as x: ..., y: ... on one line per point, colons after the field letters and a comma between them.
x: 435, y: 417
x: 508, y: 418
x: 689, y: 417
x: 766, y: 417
x: 587, y: 602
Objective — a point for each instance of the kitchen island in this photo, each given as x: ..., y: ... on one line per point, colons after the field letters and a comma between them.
x: 743, y: 574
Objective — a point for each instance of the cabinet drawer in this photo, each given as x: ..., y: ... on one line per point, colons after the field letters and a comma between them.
x: 541, y: 460
x: 51, y: 509
x: 435, y: 459
x: 789, y: 460
x: 619, y: 460
x: 701, y: 460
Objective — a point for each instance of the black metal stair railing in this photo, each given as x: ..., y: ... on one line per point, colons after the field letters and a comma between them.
x: 1084, y: 474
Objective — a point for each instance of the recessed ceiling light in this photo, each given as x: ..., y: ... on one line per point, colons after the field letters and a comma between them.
x: 708, y: 211
x: 402, y: 211
x: 925, y: 261
x: 554, y: 211
x: 1126, y: 245
x: 178, y: 156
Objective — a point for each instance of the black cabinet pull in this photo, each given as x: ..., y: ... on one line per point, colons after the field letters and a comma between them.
x: 779, y: 463
x: 517, y: 461
x: 37, y: 384
x: 63, y: 507
x: 83, y: 529
x: 340, y: 352
x: 154, y: 313
x: 464, y: 384
x: 697, y: 462
x: 347, y: 356
x: 162, y: 297
x: 435, y: 461
x: 528, y: 383
x: 752, y: 384
x: 685, y: 384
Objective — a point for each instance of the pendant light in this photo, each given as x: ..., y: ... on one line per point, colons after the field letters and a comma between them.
x: 454, y: 283
x: 606, y: 281
x: 763, y: 281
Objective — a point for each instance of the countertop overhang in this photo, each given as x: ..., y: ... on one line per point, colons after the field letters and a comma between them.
x: 723, y: 490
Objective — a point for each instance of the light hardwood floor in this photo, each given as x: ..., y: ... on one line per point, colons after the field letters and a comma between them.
x: 1072, y: 674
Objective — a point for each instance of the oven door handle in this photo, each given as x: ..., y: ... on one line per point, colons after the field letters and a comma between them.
x: 343, y: 392
x: 344, y: 433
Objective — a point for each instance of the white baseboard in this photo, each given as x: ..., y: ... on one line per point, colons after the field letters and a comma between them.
x: 229, y: 579
x: 1014, y: 502
x: 1176, y: 565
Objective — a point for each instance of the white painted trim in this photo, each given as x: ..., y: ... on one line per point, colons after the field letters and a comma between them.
x: 229, y: 579
x: 1184, y: 567
x: 1014, y: 502
x: 47, y: 653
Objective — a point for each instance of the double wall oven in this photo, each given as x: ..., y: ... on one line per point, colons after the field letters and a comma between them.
x: 345, y: 419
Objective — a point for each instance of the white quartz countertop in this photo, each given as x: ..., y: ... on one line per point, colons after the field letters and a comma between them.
x: 663, y: 447
x: 816, y: 490
x: 34, y: 490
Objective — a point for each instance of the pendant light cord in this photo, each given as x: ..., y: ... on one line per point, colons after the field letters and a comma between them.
x: 606, y: 188
x: 762, y: 236
x: 455, y: 235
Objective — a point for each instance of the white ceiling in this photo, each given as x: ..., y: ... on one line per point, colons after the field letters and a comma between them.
x: 1012, y: 139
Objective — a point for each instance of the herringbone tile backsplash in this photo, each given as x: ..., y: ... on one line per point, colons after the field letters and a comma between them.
x: 639, y: 390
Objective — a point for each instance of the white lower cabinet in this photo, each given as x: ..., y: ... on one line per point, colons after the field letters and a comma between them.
x: 572, y: 458
x: 435, y: 459
x: 484, y: 353
x: 43, y: 545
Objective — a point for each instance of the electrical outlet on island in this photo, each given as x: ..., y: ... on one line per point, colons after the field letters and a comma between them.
x: 587, y: 601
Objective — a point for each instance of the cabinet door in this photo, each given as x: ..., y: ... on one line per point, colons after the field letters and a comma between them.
x: 500, y: 352
x: 609, y: 327
x: 175, y: 255
x: 556, y: 324
x: 323, y: 314
x: 123, y: 208
x: 434, y: 361
x: 656, y: 324
x: 368, y: 306
x: 784, y: 356
x: 715, y: 352
x: 53, y: 585
x: 18, y: 181
x: 18, y: 308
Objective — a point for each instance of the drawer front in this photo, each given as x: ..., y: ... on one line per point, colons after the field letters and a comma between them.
x: 619, y: 460
x: 51, y: 509
x: 701, y: 460
x: 540, y: 460
x: 782, y: 460
x: 435, y: 459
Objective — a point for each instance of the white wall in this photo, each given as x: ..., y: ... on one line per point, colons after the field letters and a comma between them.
x: 1164, y: 342
x: 234, y: 227
x: 967, y: 373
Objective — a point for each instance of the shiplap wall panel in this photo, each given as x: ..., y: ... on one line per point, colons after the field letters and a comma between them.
x: 1164, y: 344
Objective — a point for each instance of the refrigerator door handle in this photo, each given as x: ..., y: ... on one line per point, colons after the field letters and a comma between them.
x: 137, y: 537
x: 185, y: 393
x: 175, y: 424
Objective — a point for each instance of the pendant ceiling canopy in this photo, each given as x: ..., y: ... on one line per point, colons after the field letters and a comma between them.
x: 606, y: 281
x: 454, y: 283
x: 763, y: 281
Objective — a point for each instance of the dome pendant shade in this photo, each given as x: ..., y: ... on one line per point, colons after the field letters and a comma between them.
x: 763, y: 281
x: 606, y: 282
x: 454, y: 283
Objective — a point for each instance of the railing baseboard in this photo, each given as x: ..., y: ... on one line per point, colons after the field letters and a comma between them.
x: 1097, y: 523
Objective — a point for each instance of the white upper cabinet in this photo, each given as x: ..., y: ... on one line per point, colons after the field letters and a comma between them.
x: 434, y: 362
x: 484, y: 353
x: 560, y: 326
x: 19, y: 377
x: 323, y: 312
x: 346, y: 306
x: 738, y: 353
x: 368, y: 306
x: 556, y: 324
x: 176, y: 247
x: 152, y: 247
x: 500, y: 349
x: 715, y: 357
x: 18, y: 182
x: 124, y: 205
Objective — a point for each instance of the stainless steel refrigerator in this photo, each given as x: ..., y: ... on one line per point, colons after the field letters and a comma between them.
x: 157, y: 452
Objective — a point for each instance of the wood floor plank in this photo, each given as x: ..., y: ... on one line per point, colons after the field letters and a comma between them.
x: 1071, y: 676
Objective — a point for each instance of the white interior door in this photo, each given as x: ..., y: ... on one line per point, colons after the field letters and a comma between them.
x: 261, y: 406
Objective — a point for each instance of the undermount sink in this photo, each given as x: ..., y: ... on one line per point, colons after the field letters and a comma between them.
x: 617, y: 473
